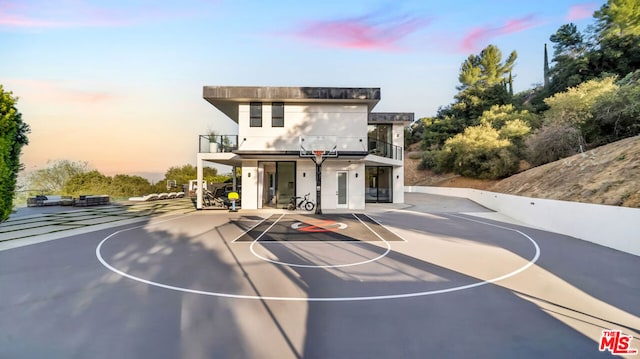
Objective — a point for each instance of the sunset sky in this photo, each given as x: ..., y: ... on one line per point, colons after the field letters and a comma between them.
x: 119, y: 83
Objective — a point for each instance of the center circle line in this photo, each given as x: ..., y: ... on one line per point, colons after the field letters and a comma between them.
x: 322, y: 299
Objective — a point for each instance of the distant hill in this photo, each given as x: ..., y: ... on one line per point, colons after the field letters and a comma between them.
x: 608, y: 174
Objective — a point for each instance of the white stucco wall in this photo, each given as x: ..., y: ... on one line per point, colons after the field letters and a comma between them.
x: 347, y: 121
x: 355, y: 185
x: 398, y: 184
x: 250, y: 178
x: 610, y: 226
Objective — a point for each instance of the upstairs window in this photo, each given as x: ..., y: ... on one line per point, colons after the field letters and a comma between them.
x: 277, y: 114
x: 255, y: 114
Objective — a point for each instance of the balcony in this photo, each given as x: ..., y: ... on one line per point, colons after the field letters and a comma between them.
x: 217, y: 143
x: 385, y: 149
x: 232, y: 143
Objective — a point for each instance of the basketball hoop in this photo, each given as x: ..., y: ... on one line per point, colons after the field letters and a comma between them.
x: 318, y: 154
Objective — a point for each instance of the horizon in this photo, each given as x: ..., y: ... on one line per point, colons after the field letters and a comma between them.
x: 120, y: 85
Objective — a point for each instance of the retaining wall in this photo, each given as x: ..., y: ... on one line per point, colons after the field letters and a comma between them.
x: 610, y: 226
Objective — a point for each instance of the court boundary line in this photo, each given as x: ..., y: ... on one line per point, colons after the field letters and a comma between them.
x: 324, y: 299
x: 251, y: 229
x: 385, y: 227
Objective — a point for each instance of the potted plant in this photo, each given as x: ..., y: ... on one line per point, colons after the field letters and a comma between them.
x: 213, y: 145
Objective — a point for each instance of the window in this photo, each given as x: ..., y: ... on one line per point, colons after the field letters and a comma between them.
x: 255, y: 114
x: 277, y: 114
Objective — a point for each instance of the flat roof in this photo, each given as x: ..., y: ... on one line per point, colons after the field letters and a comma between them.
x: 227, y: 98
x: 391, y: 117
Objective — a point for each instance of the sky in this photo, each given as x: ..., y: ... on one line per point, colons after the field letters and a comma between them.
x: 119, y: 83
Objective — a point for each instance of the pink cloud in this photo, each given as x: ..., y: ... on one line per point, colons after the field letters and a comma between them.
x: 54, y: 91
x: 46, y: 15
x: 478, y: 37
x: 581, y: 11
x: 364, y: 33
x: 83, y: 13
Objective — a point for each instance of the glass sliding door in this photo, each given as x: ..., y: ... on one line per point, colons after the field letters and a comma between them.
x: 278, y: 183
x: 379, y: 184
x: 285, y: 183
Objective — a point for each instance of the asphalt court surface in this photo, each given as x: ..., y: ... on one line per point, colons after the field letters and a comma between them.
x: 350, y: 227
x: 427, y: 281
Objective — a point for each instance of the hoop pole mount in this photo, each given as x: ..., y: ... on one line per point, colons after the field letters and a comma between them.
x: 318, y: 161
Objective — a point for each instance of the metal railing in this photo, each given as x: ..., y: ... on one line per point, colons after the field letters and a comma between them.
x: 217, y: 143
x: 384, y: 149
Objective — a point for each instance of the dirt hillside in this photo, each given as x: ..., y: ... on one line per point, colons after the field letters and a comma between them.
x: 605, y: 175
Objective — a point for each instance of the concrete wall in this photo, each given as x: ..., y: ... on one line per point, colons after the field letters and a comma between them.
x: 610, y: 226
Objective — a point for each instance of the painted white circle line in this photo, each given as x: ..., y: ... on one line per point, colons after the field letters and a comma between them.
x: 325, y: 299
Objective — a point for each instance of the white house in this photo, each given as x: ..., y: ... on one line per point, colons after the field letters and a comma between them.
x: 280, y: 128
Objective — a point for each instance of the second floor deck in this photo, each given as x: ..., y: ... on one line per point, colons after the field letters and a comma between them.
x: 257, y: 144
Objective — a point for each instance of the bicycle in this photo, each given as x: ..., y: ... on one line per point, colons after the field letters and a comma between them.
x: 304, y: 203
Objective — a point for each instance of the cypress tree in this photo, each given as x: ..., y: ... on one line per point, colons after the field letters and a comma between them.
x: 546, y: 67
x: 13, y: 135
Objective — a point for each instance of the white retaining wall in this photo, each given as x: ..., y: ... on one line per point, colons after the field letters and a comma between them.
x: 610, y: 226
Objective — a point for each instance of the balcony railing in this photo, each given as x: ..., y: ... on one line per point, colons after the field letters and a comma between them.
x: 231, y: 143
x: 218, y: 143
x: 384, y: 149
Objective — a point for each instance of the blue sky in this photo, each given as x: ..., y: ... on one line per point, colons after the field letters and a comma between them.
x: 119, y: 83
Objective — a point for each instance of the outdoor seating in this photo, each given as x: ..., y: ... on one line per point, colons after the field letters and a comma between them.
x: 90, y: 200
x: 145, y: 198
x: 41, y: 200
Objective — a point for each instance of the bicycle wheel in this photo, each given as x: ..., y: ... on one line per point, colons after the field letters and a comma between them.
x: 309, y: 206
x: 291, y: 207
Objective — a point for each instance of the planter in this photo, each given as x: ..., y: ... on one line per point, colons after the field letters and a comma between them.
x: 213, y: 147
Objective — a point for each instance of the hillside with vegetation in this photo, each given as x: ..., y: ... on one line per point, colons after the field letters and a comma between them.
x: 590, y: 98
x: 609, y: 175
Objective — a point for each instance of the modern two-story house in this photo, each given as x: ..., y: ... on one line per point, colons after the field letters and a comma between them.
x: 281, y: 128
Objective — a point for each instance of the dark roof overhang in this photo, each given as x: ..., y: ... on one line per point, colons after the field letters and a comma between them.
x: 227, y: 98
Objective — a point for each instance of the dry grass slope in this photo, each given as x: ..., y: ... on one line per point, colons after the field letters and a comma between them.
x: 605, y: 175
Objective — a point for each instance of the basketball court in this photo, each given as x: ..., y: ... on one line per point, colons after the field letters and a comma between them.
x: 392, y: 283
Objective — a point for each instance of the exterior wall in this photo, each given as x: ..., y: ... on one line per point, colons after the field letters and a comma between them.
x: 398, y: 134
x: 398, y: 184
x: 355, y: 185
x: 348, y: 121
x: 250, y: 186
x: 306, y: 178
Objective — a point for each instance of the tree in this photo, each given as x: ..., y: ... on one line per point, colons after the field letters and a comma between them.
x: 499, y: 115
x: 573, y: 107
x: 52, y: 179
x: 618, y: 18
x: 183, y: 174
x: 615, y: 114
x: 545, y: 70
x: 568, y: 41
x: 87, y: 183
x: 486, y: 69
x: 478, y: 152
x: 13, y: 135
x: 129, y: 186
